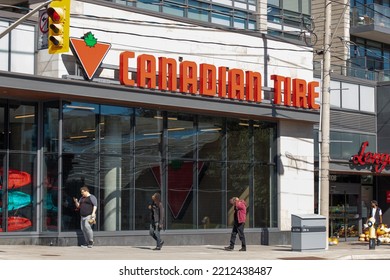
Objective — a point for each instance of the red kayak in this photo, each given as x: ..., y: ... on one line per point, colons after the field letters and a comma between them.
x: 16, y: 178
x: 17, y: 223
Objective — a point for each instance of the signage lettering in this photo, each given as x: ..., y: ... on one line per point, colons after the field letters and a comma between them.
x: 377, y: 160
x: 208, y: 80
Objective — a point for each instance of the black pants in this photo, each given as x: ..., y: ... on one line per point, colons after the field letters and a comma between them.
x: 238, y: 228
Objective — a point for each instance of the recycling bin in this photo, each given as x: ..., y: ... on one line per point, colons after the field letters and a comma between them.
x: 308, y: 232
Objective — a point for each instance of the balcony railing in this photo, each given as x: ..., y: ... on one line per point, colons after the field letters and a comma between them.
x: 370, y: 14
x: 351, y: 70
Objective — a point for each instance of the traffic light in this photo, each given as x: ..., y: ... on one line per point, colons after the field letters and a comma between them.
x: 59, y: 23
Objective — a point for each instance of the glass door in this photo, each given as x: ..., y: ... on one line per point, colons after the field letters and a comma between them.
x: 344, y: 216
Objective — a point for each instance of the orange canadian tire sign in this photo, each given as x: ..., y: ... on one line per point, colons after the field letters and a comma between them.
x: 203, y: 79
x: 89, y: 52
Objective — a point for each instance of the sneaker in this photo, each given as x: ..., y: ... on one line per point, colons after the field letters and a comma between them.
x: 90, y: 245
x: 84, y: 246
x: 157, y: 249
x: 242, y: 249
x: 229, y: 248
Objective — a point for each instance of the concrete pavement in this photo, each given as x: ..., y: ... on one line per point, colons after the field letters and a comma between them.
x: 342, y: 251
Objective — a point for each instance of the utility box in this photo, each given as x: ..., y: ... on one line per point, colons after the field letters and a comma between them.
x: 308, y: 232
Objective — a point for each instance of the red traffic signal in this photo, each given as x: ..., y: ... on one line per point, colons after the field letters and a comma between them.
x: 56, y: 14
x: 59, y: 17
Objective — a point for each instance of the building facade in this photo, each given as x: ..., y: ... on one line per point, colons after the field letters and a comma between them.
x: 358, y: 110
x: 192, y: 111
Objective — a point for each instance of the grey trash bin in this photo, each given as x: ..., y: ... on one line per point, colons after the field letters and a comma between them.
x: 308, y: 232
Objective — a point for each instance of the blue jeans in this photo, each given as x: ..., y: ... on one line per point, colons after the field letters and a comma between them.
x: 87, y: 229
x: 154, y: 231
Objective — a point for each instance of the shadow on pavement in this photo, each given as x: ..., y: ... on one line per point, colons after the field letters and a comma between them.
x: 142, y: 247
x: 216, y: 248
x: 303, y: 258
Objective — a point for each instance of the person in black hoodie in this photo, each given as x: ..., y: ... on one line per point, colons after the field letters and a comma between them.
x: 156, y: 220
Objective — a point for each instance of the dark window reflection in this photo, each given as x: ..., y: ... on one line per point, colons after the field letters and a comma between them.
x: 125, y: 155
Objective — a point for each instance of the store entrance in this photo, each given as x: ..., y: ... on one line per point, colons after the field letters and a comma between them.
x: 344, y: 210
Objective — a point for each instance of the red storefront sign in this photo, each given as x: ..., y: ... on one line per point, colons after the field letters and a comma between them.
x: 218, y: 82
x: 203, y: 79
x: 379, y: 161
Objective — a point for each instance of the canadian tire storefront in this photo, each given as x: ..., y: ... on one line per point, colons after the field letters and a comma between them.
x: 199, y: 116
x: 197, y: 152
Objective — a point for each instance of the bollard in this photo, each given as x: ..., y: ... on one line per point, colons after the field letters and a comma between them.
x: 371, y: 234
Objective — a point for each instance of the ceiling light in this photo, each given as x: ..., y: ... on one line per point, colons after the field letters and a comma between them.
x: 80, y: 107
x: 211, y: 129
x: 24, y: 116
x: 78, y: 137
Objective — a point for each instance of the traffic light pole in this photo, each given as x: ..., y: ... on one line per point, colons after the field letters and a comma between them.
x: 23, y: 18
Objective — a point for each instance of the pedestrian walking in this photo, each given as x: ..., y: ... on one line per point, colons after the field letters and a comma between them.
x: 156, y: 220
x: 239, y: 223
x: 376, y: 214
x: 87, y: 205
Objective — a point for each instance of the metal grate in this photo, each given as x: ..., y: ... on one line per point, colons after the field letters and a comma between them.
x: 348, y: 121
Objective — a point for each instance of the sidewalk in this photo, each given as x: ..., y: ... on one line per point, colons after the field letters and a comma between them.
x: 342, y: 251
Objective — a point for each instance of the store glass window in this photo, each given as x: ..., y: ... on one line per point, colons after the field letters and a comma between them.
x: 125, y: 155
x: 50, y: 186
x: 211, y: 190
x: 264, y: 175
x: 115, y: 176
x: 238, y: 184
x: 148, y: 162
x: 19, y: 163
x: 80, y: 145
x: 238, y: 140
x: 21, y: 192
x: 22, y: 127
x: 3, y: 196
x: 3, y: 139
x: 181, y: 167
x: 344, y: 145
x: 211, y: 135
x: 211, y: 196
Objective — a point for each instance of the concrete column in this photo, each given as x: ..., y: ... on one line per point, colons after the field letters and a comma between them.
x: 112, y: 179
x: 261, y: 16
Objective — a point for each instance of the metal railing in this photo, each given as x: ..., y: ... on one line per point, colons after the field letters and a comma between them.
x: 370, y: 14
x: 351, y: 70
